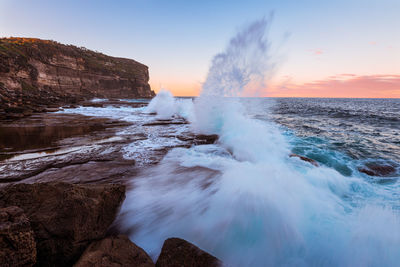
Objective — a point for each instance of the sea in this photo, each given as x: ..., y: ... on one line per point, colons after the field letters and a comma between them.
x: 245, y: 200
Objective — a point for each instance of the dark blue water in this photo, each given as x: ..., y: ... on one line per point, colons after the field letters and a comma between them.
x: 361, y: 131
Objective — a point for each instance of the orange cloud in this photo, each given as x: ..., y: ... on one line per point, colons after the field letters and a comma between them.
x: 344, y: 85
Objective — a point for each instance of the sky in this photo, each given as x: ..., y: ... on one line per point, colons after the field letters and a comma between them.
x: 341, y: 48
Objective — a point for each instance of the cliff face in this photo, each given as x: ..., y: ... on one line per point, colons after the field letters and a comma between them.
x: 37, y: 73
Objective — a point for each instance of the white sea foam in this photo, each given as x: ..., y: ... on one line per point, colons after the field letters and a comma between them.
x: 146, y: 141
x: 98, y: 100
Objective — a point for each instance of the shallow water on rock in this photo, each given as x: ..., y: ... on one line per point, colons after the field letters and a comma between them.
x: 42, y: 132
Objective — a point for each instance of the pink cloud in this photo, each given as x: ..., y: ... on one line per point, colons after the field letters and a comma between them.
x: 318, y: 52
x: 347, y: 85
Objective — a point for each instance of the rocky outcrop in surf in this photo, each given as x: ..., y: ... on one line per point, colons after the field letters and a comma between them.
x: 375, y: 169
x: 38, y: 74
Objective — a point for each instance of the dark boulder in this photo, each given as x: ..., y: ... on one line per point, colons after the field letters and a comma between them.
x: 373, y: 169
x: 180, y: 253
x: 114, y: 251
x: 17, y: 242
x: 313, y: 162
x: 65, y: 217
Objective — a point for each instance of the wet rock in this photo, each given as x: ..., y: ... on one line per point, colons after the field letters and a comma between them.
x: 313, y: 162
x: 98, y: 172
x: 114, y: 251
x: 374, y: 169
x: 203, y: 139
x: 65, y: 217
x: 164, y: 123
x: 52, y: 109
x: 178, y: 252
x: 200, y: 139
x: 45, y: 130
x: 17, y: 242
x: 63, y: 147
x: 102, y: 163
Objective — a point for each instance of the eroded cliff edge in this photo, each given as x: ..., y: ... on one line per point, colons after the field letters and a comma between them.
x: 36, y: 74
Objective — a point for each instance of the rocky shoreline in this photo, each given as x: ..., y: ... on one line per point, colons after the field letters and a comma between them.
x: 62, y: 224
x: 45, y: 222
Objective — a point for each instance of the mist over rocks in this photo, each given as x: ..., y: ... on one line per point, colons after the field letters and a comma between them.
x: 37, y: 74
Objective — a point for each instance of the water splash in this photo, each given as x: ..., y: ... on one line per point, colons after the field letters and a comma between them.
x: 167, y: 107
x: 242, y: 68
x: 243, y: 199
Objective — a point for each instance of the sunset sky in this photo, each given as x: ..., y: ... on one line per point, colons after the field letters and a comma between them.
x: 342, y: 48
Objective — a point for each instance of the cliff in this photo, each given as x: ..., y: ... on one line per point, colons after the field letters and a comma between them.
x: 35, y: 74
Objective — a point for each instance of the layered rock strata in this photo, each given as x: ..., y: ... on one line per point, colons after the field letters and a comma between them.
x: 37, y: 74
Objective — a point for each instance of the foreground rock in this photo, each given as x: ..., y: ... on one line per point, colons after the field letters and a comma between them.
x: 17, y: 243
x: 180, y: 253
x: 65, y: 217
x: 36, y: 75
x: 114, y: 251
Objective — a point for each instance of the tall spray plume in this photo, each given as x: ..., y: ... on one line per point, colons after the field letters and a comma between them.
x: 241, y: 70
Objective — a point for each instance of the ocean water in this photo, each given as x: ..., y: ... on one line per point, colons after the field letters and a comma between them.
x: 244, y: 199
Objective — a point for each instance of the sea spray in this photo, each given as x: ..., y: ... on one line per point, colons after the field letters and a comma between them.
x: 163, y: 104
x: 167, y: 107
x: 241, y: 70
x: 244, y: 200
